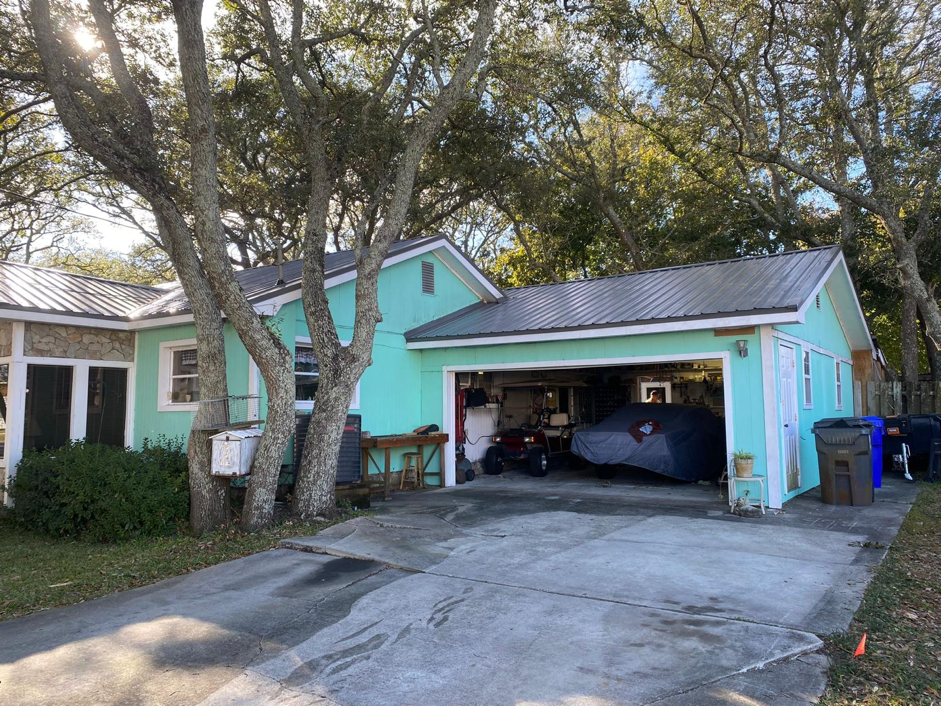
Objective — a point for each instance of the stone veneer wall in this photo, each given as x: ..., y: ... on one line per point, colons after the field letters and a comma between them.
x: 58, y: 341
x: 6, y: 339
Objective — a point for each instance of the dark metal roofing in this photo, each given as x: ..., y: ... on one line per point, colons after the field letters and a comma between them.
x: 260, y: 283
x: 764, y: 284
x: 25, y: 287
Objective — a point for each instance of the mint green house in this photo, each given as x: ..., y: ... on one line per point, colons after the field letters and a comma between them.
x: 767, y: 343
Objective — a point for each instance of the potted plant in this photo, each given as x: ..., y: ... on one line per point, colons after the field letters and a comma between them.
x: 744, y: 463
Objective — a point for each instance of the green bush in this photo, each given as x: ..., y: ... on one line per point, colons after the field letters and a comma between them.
x: 102, y: 493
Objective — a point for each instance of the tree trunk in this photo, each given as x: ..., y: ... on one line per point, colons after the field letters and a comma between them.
x: 209, y: 498
x: 316, y: 495
x: 274, y: 360
x: 258, y: 511
x: 909, y: 338
x: 624, y: 235
x: 341, y: 368
x: 136, y: 167
x: 934, y: 358
x: 912, y: 283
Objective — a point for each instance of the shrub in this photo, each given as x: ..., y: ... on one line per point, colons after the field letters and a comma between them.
x: 102, y: 493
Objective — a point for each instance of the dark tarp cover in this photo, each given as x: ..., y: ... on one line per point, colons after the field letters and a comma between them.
x: 690, y: 447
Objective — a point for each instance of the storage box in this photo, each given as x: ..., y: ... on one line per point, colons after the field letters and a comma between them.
x: 233, y: 452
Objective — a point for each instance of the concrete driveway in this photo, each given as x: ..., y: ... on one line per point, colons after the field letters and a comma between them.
x: 508, y: 590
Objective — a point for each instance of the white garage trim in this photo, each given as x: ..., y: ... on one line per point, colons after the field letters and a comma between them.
x: 770, y: 398
x: 449, y: 385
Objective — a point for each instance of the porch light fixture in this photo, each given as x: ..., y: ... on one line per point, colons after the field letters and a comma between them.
x: 742, y: 347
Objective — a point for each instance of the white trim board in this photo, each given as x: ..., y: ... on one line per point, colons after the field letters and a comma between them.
x: 824, y: 282
x: 449, y: 385
x: 42, y: 317
x: 769, y: 399
x: 810, y: 346
x: 609, y: 331
x: 820, y: 285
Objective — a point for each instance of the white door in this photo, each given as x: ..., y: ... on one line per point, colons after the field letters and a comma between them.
x: 790, y: 447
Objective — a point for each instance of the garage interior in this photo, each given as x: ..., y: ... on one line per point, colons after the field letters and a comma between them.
x: 491, y: 400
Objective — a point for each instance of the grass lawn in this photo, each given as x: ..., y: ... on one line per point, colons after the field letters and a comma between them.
x: 38, y: 572
x: 901, y: 613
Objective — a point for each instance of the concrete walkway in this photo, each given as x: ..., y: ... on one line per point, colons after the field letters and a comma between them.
x: 508, y: 590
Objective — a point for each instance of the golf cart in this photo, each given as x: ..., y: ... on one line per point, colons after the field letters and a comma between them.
x: 533, y: 444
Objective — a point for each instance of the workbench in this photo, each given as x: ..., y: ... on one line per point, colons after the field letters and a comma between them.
x: 395, y: 441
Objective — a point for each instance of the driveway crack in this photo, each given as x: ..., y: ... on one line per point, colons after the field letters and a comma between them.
x: 796, y: 655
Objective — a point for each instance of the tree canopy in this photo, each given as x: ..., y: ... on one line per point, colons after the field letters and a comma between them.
x: 595, y: 139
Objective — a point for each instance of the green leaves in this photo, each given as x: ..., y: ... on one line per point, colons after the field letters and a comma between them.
x: 102, y: 493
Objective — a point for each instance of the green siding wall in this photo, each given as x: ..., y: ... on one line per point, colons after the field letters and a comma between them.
x: 390, y: 400
x: 821, y: 328
x: 148, y: 421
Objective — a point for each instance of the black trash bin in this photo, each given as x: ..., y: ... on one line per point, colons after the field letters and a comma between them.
x: 934, y: 462
x: 844, y: 455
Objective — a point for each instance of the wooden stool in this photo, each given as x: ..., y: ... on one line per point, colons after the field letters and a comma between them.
x: 413, y: 472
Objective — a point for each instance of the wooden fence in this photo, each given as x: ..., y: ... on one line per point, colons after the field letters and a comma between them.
x: 883, y: 399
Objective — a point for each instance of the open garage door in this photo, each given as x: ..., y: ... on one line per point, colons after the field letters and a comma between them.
x: 526, y: 415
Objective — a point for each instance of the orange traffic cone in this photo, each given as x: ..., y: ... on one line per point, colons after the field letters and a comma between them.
x: 860, y: 648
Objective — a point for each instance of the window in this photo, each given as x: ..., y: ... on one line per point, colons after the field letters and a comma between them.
x: 48, y: 406
x: 178, y: 385
x: 106, y: 411
x: 307, y: 376
x: 808, y: 384
x: 427, y: 277
x: 839, y: 385
x: 184, y: 376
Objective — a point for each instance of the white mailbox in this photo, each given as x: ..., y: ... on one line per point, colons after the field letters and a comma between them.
x: 233, y: 451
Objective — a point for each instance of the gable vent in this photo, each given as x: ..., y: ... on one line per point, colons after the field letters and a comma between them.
x: 427, y: 277
x: 818, y: 301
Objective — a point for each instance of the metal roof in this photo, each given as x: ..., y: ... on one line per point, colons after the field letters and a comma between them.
x: 260, y: 283
x: 26, y: 287
x: 765, y: 284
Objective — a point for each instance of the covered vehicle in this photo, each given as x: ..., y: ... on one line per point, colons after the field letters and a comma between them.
x: 681, y: 441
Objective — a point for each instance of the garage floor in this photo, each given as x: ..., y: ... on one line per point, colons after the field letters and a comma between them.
x: 507, y: 590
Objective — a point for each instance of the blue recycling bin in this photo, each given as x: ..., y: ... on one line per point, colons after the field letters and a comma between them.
x: 878, y: 434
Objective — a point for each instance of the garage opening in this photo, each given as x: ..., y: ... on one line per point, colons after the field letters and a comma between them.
x: 595, y: 420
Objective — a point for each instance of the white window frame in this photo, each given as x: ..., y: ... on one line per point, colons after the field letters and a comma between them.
x: 807, y: 367
x: 839, y: 384
x: 167, y: 348
x: 309, y: 404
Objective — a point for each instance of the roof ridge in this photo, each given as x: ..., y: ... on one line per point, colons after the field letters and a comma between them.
x: 676, y: 267
x: 28, y: 266
x: 348, y: 250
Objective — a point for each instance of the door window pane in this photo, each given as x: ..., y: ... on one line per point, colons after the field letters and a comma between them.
x: 48, y: 406
x: 107, y: 406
